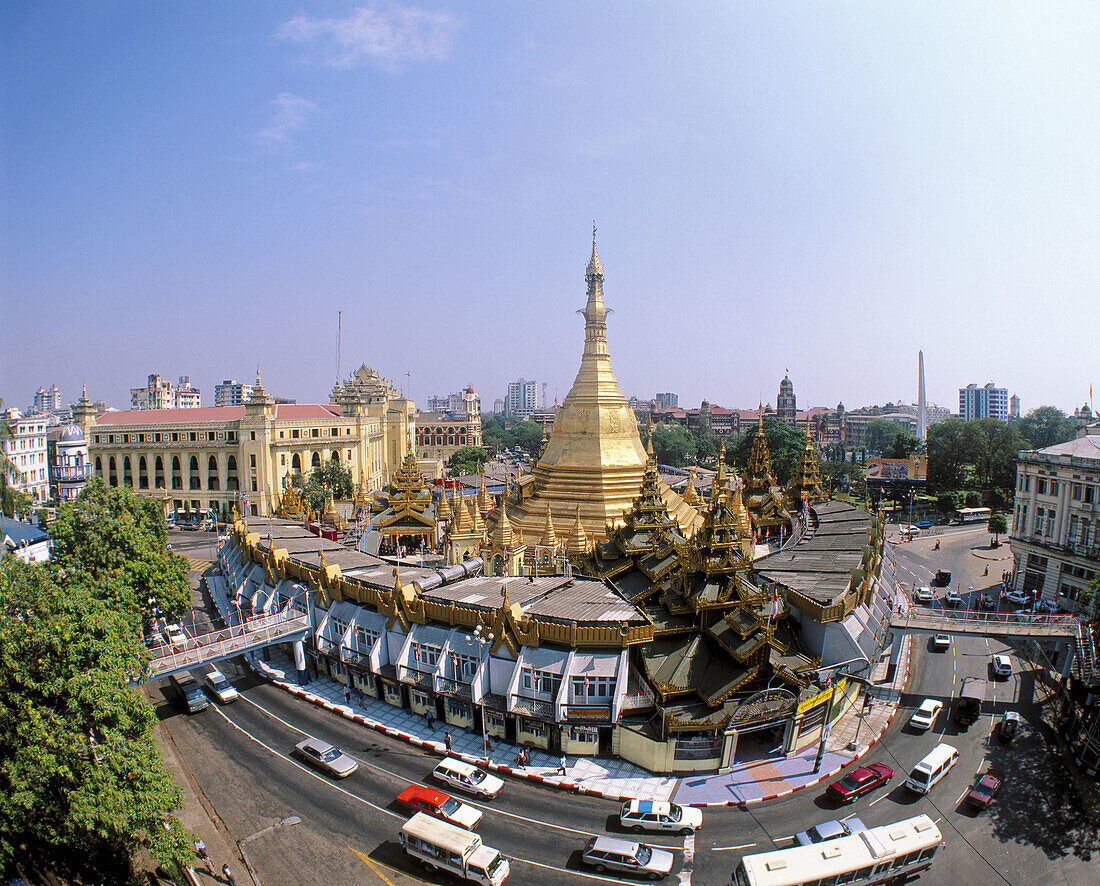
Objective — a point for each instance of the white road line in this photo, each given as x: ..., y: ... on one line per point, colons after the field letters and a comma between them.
x: 689, y: 860
x: 873, y: 802
x: 384, y: 771
x: 963, y: 794
x: 849, y: 815
x: 788, y: 837
x: 729, y: 848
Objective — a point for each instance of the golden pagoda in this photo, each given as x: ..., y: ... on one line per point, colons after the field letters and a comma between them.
x: 593, y: 462
x: 806, y: 482
x: 762, y: 495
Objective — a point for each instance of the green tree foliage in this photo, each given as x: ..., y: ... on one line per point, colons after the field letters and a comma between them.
x: 492, y: 434
x: 674, y: 445
x: 527, y: 435
x: 947, y: 502
x: 330, y: 477
x: 839, y: 473
x: 948, y: 456
x: 467, y: 460
x: 992, y: 446
x: 1046, y: 426
x: 784, y: 445
x: 112, y: 540
x: 879, y: 435
x: 998, y: 523
x: 904, y: 446
x: 83, y: 783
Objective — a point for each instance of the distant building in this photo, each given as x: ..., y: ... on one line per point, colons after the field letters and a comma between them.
x: 498, y: 407
x: 186, y: 396
x: 70, y: 466
x: 26, y: 449
x: 785, y: 408
x: 231, y: 393
x: 441, y: 433
x: 663, y: 401
x: 24, y: 541
x: 47, y: 400
x: 522, y: 398
x: 160, y: 393
x: 988, y: 401
x: 1014, y: 407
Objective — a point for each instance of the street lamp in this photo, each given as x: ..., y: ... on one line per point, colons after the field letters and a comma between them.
x: 286, y: 822
x: 485, y: 638
x: 829, y: 705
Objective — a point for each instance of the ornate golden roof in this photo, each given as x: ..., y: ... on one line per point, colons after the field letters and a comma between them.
x: 758, y: 475
x: 502, y: 532
x: 549, y: 538
x: 807, y: 476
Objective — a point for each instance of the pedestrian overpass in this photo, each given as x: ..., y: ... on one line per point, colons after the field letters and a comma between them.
x: 249, y: 635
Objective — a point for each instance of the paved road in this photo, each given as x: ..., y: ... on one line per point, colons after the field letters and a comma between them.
x: 348, y: 833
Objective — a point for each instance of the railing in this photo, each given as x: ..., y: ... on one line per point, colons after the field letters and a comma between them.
x: 261, y: 630
x: 637, y: 701
x: 978, y: 621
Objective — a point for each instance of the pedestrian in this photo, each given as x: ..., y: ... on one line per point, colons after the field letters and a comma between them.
x: 447, y: 741
x: 561, y: 765
x: 200, y: 851
x: 986, y: 570
x: 431, y: 720
x: 347, y: 697
x: 228, y: 874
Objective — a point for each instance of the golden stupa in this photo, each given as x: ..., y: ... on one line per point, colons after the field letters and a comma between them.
x: 594, y: 460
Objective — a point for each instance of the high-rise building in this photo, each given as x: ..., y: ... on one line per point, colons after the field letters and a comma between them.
x: 1014, y: 407
x: 522, y: 398
x: 988, y: 401
x: 157, y: 394
x: 26, y: 448
x: 785, y: 409
x: 47, y: 400
x: 665, y: 400
x: 231, y: 393
x: 186, y: 396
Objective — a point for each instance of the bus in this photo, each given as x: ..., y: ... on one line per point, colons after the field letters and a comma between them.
x: 866, y: 858
x: 973, y: 515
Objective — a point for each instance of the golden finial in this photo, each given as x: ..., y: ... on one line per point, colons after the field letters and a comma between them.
x: 649, y: 435
x: 594, y: 266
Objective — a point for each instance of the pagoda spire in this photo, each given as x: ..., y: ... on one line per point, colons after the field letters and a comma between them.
x: 443, y: 509
x: 549, y: 538
x: 649, y: 437
x: 502, y: 532
x: 595, y: 314
x: 577, y: 543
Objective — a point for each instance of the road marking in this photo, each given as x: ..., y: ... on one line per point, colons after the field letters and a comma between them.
x: 963, y: 794
x: 849, y: 815
x: 873, y: 802
x: 777, y: 839
x: 363, y: 858
x: 689, y: 860
x: 729, y: 848
x: 384, y: 771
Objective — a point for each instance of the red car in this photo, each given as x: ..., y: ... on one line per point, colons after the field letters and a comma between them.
x: 859, y: 781
x: 987, y: 786
x: 440, y: 805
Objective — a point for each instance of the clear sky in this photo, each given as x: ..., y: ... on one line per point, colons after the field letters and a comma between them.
x: 198, y: 188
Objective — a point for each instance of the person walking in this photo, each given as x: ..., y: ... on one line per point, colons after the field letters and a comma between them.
x: 562, y: 765
x: 431, y: 720
x: 447, y: 741
x: 200, y: 851
x: 347, y: 697
x: 228, y: 875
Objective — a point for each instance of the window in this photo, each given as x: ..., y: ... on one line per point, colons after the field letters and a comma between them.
x: 592, y: 688
x: 426, y: 656
x: 1027, y: 484
x: 1053, y: 487
x: 1042, y: 486
x: 542, y: 682
x: 533, y: 727
x: 420, y: 698
x: 583, y: 733
x: 1089, y: 494
x: 1076, y: 493
x: 458, y: 709
x: 315, y: 432
x: 252, y: 460
x: 251, y: 435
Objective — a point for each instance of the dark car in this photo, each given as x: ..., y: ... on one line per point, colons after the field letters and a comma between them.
x: 859, y: 782
x: 982, y: 793
x: 943, y: 579
x: 1010, y: 725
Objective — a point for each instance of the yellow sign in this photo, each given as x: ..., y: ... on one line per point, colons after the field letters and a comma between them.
x: 821, y: 697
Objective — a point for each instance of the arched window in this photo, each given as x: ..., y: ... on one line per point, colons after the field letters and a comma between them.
x: 98, y: 466
x: 212, y: 481
x: 296, y: 463
x: 177, y: 477
x: 112, y: 478
x: 127, y: 474
x: 193, y: 472
x: 143, y: 473
x: 231, y: 474
x: 335, y: 456
x: 316, y: 462
x: 158, y: 473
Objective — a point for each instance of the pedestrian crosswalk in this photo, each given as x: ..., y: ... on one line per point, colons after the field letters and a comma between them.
x: 198, y: 565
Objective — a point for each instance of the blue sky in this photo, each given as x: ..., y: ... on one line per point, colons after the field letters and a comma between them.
x: 195, y: 188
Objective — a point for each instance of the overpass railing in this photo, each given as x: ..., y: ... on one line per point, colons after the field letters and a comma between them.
x: 978, y: 621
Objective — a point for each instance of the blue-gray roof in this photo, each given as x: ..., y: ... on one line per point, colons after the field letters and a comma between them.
x: 19, y: 533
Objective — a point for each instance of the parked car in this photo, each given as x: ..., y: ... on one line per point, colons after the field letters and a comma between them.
x: 176, y: 636
x: 219, y: 687
x: 952, y: 598
x: 650, y: 815
x: 987, y: 602
x: 323, y: 756
x: 924, y: 716
x: 941, y: 641
x: 1018, y: 598
x: 466, y: 777
x: 1001, y: 666
x: 616, y: 854
x: 982, y: 793
x: 440, y: 805
x: 924, y: 595
x: 859, y: 782
x: 1048, y: 606
x: 1010, y: 725
x: 829, y: 830
x: 923, y: 524
x: 943, y: 579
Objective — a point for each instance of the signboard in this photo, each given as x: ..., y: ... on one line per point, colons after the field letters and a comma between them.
x: 913, y: 469
x: 821, y: 697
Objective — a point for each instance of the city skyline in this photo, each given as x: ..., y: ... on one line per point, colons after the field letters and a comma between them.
x: 791, y: 191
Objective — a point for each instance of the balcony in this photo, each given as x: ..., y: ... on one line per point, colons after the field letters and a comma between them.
x: 455, y: 689
x: 74, y: 473
x: 533, y: 707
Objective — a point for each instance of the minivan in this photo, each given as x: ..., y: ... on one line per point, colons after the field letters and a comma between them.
x: 927, y: 773
x: 191, y: 697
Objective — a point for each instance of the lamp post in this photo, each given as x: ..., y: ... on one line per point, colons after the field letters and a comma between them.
x: 286, y: 822
x: 829, y: 707
x: 485, y: 638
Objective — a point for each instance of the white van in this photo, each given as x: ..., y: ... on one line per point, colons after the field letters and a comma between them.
x: 442, y: 846
x: 927, y: 773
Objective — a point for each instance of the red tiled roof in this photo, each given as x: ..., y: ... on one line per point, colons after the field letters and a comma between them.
x: 220, y: 414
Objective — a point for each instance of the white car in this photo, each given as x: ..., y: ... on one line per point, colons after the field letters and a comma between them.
x: 176, y: 636
x: 924, y: 595
x: 1017, y: 598
x: 220, y: 687
x: 924, y: 716
x: 952, y: 598
x: 466, y: 777
x: 1002, y: 666
x: 649, y: 815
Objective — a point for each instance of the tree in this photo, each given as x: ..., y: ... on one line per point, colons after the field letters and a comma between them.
x: 467, y: 460
x: 948, y: 455
x: 880, y: 433
x: 84, y: 783
x: 991, y: 448
x: 493, y: 434
x: 904, y: 445
x: 116, y: 542
x: 674, y: 445
x: 844, y: 476
x: 784, y: 445
x: 998, y: 523
x: 527, y: 435
x: 1045, y: 426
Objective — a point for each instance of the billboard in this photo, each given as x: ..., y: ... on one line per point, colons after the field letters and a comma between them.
x: 913, y: 469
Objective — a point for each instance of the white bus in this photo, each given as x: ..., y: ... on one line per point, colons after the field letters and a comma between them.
x: 973, y: 515
x: 444, y: 847
x: 866, y: 858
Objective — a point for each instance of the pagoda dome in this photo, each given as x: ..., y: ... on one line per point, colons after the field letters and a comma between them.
x: 71, y: 434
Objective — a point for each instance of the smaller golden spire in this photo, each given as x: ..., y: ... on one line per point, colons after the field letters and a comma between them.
x: 443, y: 509
x: 459, y: 511
x: 690, y: 495
x: 502, y: 532
x: 482, y: 499
x: 577, y: 543
x: 594, y: 266
x: 476, y: 522
x: 549, y: 538
x: 649, y: 435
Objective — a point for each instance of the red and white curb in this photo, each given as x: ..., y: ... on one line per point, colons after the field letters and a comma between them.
x: 439, y: 747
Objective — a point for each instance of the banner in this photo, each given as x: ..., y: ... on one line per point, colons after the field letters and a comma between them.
x: 914, y: 469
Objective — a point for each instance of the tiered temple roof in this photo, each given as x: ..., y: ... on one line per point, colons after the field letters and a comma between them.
x: 806, y: 482
x: 762, y: 494
x: 408, y: 508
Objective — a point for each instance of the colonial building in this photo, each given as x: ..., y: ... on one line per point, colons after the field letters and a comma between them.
x: 216, y: 457
x: 442, y: 433
x: 1056, y: 519
x: 70, y: 464
x: 785, y: 408
x: 26, y: 448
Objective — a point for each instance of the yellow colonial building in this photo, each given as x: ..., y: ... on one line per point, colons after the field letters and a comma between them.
x: 240, y: 456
